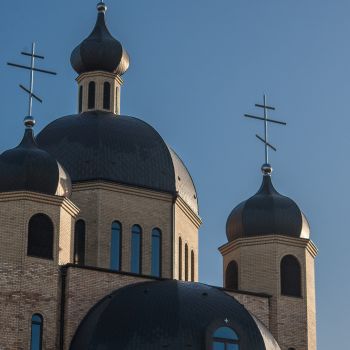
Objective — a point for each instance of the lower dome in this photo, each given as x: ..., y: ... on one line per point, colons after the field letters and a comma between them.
x: 99, y: 145
x: 168, y: 314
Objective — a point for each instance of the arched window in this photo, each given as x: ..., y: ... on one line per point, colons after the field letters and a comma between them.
x: 40, y: 237
x: 106, y: 95
x: 36, y: 332
x: 92, y: 93
x: 79, y: 242
x: 186, y: 262
x: 136, y: 249
x: 80, y: 98
x: 225, y: 338
x: 290, y: 276
x: 192, y: 265
x: 116, y: 246
x: 180, y: 258
x: 156, y: 252
x: 231, y: 276
x: 117, y: 100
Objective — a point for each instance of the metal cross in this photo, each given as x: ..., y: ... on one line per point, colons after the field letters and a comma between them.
x: 32, y: 69
x: 266, y: 120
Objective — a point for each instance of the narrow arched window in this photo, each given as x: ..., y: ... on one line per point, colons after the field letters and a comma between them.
x: 80, y: 98
x: 92, y: 93
x: 117, y: 100
x: 180, y: 258
x: 106, y: 95
x: 231, y: 275
x: 186, y: 262
x: 192, y: 265
x: 290, y: 276
x: 79, y: 242
x: 136, y: 249
x: 116, y: 246
x: 36, y: 332
x: 40, y: 237
x: 225, y: 338
x: 156, y: 252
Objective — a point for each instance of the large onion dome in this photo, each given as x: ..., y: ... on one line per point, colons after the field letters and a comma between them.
x: 266, y: 213
x: 99, y: 145
x: 169, y: 315
x: 29, y: 168
x: 100, y: 51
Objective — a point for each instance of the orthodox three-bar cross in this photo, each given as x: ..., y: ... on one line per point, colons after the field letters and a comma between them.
x: 266, y: 121
x: 32, y: 69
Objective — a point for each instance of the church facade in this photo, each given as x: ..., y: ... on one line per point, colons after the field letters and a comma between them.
x: 99, y: 226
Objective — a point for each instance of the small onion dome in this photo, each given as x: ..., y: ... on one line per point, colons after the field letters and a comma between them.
x: 29, y: 168
x: 100, y: 51
x: 267, y: 213
x: 168, y: 314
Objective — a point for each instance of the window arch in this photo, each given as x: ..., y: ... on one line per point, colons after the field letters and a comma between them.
x: 92, y: 93
x: 225, y: 338
x: 180, y: 258
x: 156, y: 252
x: 116, y: 246
x: 40, y: 237
x: 36, y: 339
x: 79, y: 242
x: 192, y: 265
x: 136, y: 249
x: 290, y: 276
x: 80, y: 98
x: 186, y: 262
x: 231, y: 275
x: 106, y: 95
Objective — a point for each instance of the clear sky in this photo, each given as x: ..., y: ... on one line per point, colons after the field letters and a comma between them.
x: 196, y: 67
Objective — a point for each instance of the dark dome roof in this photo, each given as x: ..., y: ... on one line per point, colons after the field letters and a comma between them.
x: 266, y: 213
x: 29, y: 168
x: 100, y: 50
x: 167, y: 314
x: 102, y: 146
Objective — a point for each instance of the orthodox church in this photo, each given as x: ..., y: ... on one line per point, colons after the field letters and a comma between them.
x: 99, y: 229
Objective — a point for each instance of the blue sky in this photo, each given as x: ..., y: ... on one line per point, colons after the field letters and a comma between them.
x: 196, y: 67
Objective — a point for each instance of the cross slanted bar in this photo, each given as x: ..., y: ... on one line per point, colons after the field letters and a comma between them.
x: 266, y: 121
x: 32, y: 69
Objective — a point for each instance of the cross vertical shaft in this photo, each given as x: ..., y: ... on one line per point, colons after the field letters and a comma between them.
x: 32, y: 66
x: 265, y: 126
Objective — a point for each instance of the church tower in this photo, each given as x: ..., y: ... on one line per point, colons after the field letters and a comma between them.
x: 269, y: 251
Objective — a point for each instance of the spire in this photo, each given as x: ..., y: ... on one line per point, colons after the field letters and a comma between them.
x: 266, y: 168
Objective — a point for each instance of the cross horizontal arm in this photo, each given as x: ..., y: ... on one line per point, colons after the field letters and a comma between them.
x: 31, y: 55
x: 265, y: 119
x: 267, y: 107
x: 29, y: 68
x: 266, y: 143
x: 31, y: 94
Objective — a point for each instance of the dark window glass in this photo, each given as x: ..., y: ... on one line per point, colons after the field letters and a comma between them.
x: 180, y: 258
x: 40, y: 237
x: 156, y: 252
x: 116, y: 244
x: 136, y: 247
x: 116, y: 99
x: 192, y: 265
x: 79, y: 242
x: 231, y: 278
x: 106, y: 95
x: 36, y: 332
x: 80, y: 98
x: 290, y: 276
x: 225, y: 338
x: 186, y: 262
x: 92, y: 93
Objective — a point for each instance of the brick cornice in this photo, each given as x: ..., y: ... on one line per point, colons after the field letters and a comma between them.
x: 197, y: 221
x: 270, y: 239
x: 98, y: 74
x: 63, y: 202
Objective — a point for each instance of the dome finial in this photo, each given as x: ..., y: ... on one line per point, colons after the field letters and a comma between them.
x: 101, y: 7
x: 29, y: 120
x: 266, y: 168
